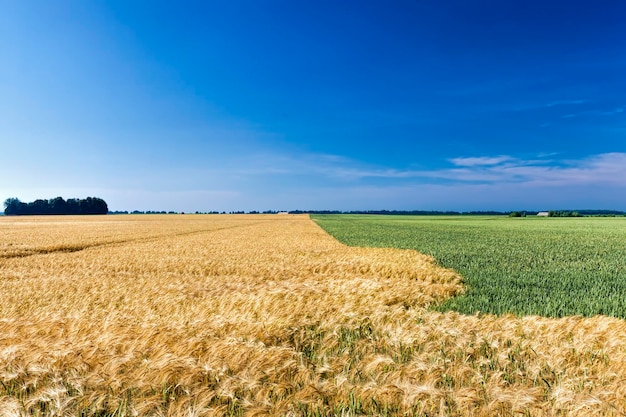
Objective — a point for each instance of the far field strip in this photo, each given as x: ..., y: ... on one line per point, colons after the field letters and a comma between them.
x: 269, y: 315
x: 19, y: 249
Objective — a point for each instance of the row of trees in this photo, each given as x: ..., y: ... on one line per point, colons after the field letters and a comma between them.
x: 89, y: 205
x: 403, y: 212
x: 557, y: 213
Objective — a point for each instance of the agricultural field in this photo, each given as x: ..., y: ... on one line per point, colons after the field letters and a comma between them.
x: 201, y: 315
x: 552, y: 267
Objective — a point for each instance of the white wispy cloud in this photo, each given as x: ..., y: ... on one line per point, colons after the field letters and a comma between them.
x: 596, y: 112
x: 564, y: 103
x: 595, y: 181
x: 549, y: 104
x: 480, y: 161
x: 606, y: 168
x: 617, y: 110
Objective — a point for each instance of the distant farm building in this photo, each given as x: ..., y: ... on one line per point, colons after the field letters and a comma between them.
x: 543, y: 214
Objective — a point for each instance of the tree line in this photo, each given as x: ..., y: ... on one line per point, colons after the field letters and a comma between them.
x: 89, y: 205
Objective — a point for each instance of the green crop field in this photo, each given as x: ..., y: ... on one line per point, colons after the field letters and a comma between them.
x: 545, y: 266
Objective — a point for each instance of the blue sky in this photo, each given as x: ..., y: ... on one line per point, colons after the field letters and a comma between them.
x: 346, y: 105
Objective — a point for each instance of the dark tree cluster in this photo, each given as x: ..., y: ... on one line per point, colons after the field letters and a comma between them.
x: 556, y: 213
x: 517, y: 214
x: 89, y: 205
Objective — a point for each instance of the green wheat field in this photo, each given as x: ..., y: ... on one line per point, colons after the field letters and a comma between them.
x: 552, y: 267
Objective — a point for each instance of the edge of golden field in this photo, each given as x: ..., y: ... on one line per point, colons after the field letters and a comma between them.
x: 268, y: 315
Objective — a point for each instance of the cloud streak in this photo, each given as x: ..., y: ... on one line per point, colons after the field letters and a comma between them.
x: 607, y: 168
x: 602, y: 169
x: 480, y: 161
x: 564, y: 103
x: 612, y: 112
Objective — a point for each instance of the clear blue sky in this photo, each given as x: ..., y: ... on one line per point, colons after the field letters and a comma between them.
x: 257, y: 105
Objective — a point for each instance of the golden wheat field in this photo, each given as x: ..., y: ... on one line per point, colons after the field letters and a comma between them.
x: 202, y: 315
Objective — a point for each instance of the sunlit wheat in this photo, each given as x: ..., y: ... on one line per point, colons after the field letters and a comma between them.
x: 268, y: 315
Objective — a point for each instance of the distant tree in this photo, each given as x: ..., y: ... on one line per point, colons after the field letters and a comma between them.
x: 57, y: 206
x: 515, y: 214
x: 39, y: 206
x: 93, y: 205
x: 72, y: 206
x: 13, y: 207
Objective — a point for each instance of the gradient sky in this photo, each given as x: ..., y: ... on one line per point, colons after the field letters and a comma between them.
x: 340, y: 105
